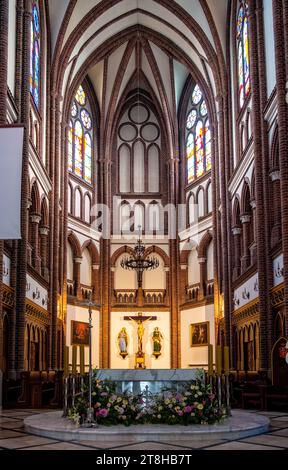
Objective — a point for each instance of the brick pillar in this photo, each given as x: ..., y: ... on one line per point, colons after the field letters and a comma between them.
x: 77, y: 280
x: 281, y: 40
x: 276, y: 234
x: 202, y: 266
x: 44, y: 233
x: 22, y: 244
x: 35, y: 220
x: 261, y: 217
x: 4, y: 7
x: 236, y: 232
x: 245, y: 259
x: 253, y: 248
x: 95, y: 281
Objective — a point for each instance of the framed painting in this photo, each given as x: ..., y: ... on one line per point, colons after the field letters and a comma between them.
x: 79, y: 333
x: 199, y: 334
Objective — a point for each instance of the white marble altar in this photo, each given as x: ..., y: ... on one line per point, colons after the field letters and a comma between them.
x: 136, y: 381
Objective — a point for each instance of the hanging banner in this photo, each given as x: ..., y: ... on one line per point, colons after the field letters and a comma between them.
x: 11, y: 151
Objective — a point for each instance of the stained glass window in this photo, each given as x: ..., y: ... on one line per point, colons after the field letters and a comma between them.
x: 243, y: 53
x: 198, y: 136
x: 35, y: 55
x: 80, y: 137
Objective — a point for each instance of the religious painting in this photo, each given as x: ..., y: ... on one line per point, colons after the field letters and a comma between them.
x: 199, y: 334
x: 79, y: 333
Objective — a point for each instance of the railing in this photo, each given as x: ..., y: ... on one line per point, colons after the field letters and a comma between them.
x: 210, y: 287
x: 86, y: 291
x: 192, y: 292
x: 70, y: 287
x: 125, y: 296
x: 154, y: 296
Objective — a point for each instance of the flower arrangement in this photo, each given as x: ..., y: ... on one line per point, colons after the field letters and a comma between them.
x: 194, y: 404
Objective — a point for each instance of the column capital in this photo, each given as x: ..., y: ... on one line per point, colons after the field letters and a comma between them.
x: 35, y: 218
x: 236, y: 230
x: 202, y: 260
x: 78, y: 260
x: 253, y: 204
x: 44, y: 230
x: 245, y: 218
x: 274, y: 175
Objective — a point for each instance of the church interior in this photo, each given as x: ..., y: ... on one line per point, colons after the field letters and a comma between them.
x: 154, y: 195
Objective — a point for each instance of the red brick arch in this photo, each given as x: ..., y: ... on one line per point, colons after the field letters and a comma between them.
x: 160, y: 252
x: 74, y: 242
x: 119, y: 252
x: 92, y: 248
x: 204, y: 243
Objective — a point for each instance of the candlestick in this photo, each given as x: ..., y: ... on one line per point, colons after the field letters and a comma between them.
x: 66, y: 361
x: 226, y: 360
x: 74, y: 359
x: 210, y: 359
x: 219, y: 359
x: 82, y: 360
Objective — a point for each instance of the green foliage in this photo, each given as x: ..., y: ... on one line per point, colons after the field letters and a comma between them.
x: 195, y: 404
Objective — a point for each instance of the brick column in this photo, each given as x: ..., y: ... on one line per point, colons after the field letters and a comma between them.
x: 253, y: 248
x: 77, y: 280
x: 22, y: 244
x: 281, y: 40
x: 261, y: 217
x: 245, y: 259
x: 202, y: 266
x: 276, y: 234
x: 35, y: 220
x: 236, y: 232
x: 4, y: 7
x: 95, y: 281
x: 44, y: 233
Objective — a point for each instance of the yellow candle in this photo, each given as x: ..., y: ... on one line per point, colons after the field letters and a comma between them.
x: 66, y: 361
x: 74, y: 359
x: 82, y: 360
x: 219, y: 359
x: 210, y: 359
x: 226, y: 359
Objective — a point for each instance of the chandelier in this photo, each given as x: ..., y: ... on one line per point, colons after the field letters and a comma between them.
x: 138, y: 261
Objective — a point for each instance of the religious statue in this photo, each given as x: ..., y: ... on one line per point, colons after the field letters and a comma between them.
x: 123, y: 342
x: 140, y: 333
x: 157, y: 345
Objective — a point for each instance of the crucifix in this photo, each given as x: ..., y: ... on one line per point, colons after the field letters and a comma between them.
x: 140, y: 355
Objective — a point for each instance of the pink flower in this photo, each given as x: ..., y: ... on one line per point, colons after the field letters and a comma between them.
x: 103, y: 412
x: 180, y: 413
x: 97, y: 405
x: 103, y: 394
x: 188, y: 409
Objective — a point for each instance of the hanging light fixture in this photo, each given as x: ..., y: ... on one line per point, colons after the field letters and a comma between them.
x: 138, y: 261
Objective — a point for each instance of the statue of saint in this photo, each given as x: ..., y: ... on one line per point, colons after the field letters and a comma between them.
x: 123, y: 342
x: 157, y: 345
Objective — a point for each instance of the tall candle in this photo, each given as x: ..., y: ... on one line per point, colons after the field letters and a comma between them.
x: 66, y: 361
x: 219, y: 359
x: 210, y: 359
x: 82, y: 359
x: 226, y: 359
x: 74, y: 359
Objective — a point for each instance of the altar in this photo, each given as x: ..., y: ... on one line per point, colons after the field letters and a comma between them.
x: 153, y: 380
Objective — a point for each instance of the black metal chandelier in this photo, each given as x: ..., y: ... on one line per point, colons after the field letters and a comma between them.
x: 138, y: 261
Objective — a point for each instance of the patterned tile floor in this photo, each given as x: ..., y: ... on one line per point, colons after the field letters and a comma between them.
x: 13, y: 436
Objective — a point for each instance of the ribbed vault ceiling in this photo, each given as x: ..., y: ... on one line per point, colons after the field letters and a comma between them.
x: 113, y: 40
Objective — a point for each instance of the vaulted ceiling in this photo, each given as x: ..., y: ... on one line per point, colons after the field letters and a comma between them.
x: 116, y: 41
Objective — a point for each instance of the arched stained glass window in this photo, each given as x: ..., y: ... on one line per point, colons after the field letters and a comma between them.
x: 80, y: 137
x: 198, y: 136
x: 243, y: 53
x: 35, y: 55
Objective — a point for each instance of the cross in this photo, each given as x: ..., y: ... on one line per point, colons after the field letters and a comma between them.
x: 139, y: 319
